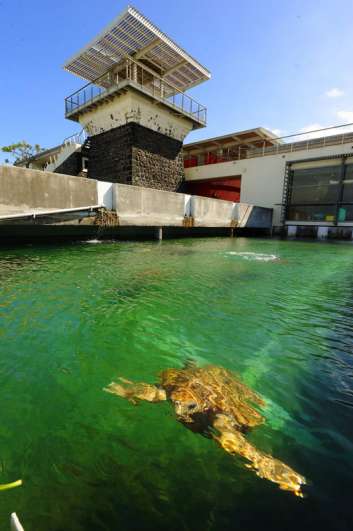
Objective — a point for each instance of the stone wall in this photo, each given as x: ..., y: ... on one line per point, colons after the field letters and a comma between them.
x: 133, y: 154
x: 110, y: 155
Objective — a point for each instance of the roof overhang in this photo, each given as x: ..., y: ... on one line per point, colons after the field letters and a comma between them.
x: 133, y: 35
x: 251, y: 138
x: 42, y: 156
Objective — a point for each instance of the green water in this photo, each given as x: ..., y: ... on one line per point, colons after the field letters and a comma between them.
x: 75, y: 317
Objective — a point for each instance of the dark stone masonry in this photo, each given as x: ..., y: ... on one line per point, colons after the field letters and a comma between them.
x: 133, y: 154
x: 72, y: 165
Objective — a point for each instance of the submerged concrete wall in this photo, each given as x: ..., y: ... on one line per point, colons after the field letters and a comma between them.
x: 148, y: 207
x: 22, y: 189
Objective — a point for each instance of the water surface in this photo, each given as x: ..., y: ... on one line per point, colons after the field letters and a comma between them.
x: 75, y: 317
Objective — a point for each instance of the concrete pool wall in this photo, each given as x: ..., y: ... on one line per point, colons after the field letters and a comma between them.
x: 34, y: 201
x: 22, y: 189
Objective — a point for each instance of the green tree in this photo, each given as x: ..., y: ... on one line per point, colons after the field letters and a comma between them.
x: 21, y: 151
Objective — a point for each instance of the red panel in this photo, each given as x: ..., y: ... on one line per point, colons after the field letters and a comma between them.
x: 227, y: 188
x: 190, y: 162
x: 209, y: 158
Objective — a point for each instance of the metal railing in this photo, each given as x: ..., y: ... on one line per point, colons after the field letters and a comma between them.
x: 133, y: 73
x: 209, y: 157
x: 304, y: 145
x: 244, y: 152
x: 76, y: 138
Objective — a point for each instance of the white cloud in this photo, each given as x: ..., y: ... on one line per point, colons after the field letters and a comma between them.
x: 311, y: 127
x: 307, y: 129
x: 346, y: 116
x: 277, y: 132
x: 318, y: 130
x: 334, y: 93
x: 309, y: 134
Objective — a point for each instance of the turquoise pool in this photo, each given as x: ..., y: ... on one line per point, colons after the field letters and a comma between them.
x: 76, y: 316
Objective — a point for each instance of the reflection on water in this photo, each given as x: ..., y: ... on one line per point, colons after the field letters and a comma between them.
x: 75, y: 317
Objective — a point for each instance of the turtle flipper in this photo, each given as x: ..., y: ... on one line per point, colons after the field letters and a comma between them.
x: 264, y: 465
x: 136, y: 391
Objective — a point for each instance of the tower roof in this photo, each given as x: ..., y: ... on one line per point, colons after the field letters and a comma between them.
x: 131, y: 34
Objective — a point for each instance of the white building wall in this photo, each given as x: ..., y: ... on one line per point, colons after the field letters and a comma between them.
x: 131, y: 107
x: 262, y: 177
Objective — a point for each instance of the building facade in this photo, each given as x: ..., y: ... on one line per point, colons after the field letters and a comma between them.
x: 309, y: 183
x: 135, y: 113
x: 134, y: 107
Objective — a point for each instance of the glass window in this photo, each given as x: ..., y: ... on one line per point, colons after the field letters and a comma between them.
x: 348, y: 184
x: 315, y: 185
x: 311, y: 213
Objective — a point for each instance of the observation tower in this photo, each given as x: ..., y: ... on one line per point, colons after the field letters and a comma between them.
x: 134, y: 108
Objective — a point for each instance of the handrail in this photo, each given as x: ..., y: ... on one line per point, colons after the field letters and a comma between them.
x: 238, y: 152
x: 303, y: 145
x: 132, y: 60
x: 314, y: 131
x: 94, y: 82
x: 154, y: 74
x: 146, y: 80
x: 77, y: 138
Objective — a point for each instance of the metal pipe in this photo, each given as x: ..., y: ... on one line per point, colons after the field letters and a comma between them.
x: 35, y: 214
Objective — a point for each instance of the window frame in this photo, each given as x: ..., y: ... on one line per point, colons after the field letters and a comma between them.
x: 346, y: 161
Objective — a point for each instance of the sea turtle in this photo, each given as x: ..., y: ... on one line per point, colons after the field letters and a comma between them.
x: 213, y: 401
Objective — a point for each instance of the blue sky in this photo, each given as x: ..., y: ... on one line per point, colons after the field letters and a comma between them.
x: 285, y: 65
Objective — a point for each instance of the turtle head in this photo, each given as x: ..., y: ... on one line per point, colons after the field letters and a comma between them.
x: 185, y: 405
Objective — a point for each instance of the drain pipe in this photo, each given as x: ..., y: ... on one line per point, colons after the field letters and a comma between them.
x: 159, y: 234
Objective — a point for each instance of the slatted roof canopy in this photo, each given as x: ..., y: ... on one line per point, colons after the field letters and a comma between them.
x: 251, y: 138
x: 131, y: 34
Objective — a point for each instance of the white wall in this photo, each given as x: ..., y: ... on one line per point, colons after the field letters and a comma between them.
x: 209, y: 212
x: 148, y: 207
x: 262, y: 177
x: 132, y: 107
x: 24, y: 190
x: 105, y: 194
x: 140, y: 206
x: 65, y: 152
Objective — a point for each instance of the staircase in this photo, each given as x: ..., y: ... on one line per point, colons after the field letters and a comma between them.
x: 70, y: 145
x: 86, y: 146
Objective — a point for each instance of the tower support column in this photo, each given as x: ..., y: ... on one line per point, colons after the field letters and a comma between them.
x: 134, y: 154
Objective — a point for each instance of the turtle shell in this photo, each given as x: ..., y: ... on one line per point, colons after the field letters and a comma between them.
x: 212, y: 390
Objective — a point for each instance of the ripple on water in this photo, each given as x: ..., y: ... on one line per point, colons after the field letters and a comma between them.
x: 259, y: 257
